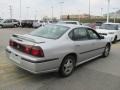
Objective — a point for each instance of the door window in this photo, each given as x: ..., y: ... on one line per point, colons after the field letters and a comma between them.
x: 79, y: 34
x: 92, y: 34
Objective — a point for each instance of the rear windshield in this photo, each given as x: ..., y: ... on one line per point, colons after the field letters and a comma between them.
x: 71, y: 23
x: 50, y: 31
x: 109, y: 27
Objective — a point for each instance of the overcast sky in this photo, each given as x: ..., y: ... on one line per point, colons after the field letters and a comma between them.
x: 42, y: 8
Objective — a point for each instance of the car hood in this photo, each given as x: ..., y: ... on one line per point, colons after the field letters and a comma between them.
x: 104, y: 31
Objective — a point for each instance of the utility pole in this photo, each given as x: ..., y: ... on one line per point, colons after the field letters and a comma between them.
x: 89, y: 10
x: 35, y: 14
x: 61, y: 6
x: 101, y: 11
x: 108, y: 7
x: 52, y: 12
x: 28, y: 12
x: 79, y: 15
x: 11, y: 11
x: 115, y: 14
x: 20, y: 12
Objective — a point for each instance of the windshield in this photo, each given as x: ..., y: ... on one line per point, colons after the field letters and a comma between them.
x: 0, y: 20
x: 109, y: 27
x: 50, y: 31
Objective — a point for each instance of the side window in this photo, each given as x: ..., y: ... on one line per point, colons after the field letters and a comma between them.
x: 119, y: 27
x: 92, y: 34
x: 78, y: 34
x: 15, y: 20
x: 8, y: 21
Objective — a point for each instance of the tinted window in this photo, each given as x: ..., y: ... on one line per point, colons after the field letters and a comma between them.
x: 92, y: 34
x: 41, y: 21
x: 109, y: 26
x: 78, y: 34
x: 15, y: 20
x: 50, y: 31
x: 71, y: 23
x: 8, y: 21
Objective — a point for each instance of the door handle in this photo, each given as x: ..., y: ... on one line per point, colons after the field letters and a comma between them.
x: 77, y: 45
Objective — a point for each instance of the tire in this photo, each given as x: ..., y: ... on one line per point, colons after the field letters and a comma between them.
x: 1, y: 26
x: 115, y: 39
x: 15, y: 26
x: 67, y: 66
x: 106, y: 51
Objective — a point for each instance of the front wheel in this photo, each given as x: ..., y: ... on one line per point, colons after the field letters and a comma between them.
x: 106, y: 51
x: 1, y: 26
x: 67, y: 66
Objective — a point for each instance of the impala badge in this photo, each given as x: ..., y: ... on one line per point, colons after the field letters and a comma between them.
x: 18, y: 46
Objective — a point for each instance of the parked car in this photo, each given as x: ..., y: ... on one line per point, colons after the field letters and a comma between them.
x: 98, y: 24
x: 111, y: 31
x: 69, y: 22
x: 91, y: 25
x: 27, y: 23
x: 38, y: 23
x: 9, y: 23
x: 56, y: 47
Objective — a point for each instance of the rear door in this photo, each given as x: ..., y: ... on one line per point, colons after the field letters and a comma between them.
x: 8, y: 23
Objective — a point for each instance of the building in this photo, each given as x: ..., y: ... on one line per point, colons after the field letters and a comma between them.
x: 82, y: 16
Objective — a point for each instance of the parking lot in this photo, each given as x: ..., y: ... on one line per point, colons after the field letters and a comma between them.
x: 99, y: 74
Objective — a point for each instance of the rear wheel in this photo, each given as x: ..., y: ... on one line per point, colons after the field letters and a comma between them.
x: 67, y: 66
x: 15, y: 26
x: 106, y: 51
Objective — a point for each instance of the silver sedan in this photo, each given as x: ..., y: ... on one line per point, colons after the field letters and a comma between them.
x: 56, y: 47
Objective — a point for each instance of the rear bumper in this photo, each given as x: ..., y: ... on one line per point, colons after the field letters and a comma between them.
x: 32, y: 65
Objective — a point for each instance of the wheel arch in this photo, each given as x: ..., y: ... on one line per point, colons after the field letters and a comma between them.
x: 71, y: 54
x: 108, y: 44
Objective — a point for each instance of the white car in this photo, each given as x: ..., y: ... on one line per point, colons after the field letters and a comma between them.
x: 37, y: 24
x: 9, y: 23
x: 69, y: 22
x: 56, y: 47
x: 110, y: 30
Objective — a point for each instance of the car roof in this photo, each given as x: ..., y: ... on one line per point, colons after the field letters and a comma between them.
x: 72, y: 25
x: 69, y: 21
x: 113, y: 23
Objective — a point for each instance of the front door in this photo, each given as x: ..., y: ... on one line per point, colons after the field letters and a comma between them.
x: 82, y: 44
x: 98, y: 45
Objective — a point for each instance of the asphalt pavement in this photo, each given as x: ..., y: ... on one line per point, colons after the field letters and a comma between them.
x: 99, y: 74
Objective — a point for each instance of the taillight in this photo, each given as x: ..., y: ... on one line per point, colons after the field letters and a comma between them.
x: 27, y: 49
x: 37, y: 51
x: 11, y: 43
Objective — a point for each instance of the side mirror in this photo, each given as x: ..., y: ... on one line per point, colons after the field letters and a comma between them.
x: 102, y: 37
